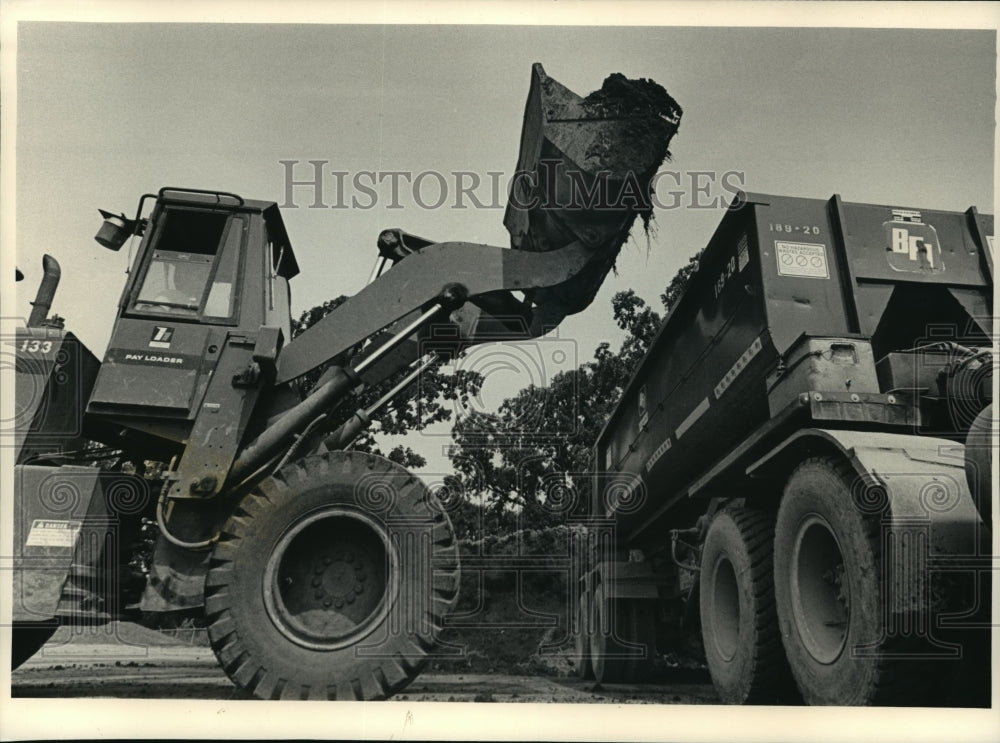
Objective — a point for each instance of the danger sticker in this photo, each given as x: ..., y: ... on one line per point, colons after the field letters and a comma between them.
x: 49, y: 533
x: 801, y: 259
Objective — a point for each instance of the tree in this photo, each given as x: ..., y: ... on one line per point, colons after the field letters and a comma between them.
x: 418, y: 406
x: 640, y: 321
x: 505, y: 459
x: 679, y: 282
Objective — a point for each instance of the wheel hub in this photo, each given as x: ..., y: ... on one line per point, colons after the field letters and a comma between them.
x: 820, y: 590
x: 725, y: 615
x: 339, y: 578
x: 331, y: 579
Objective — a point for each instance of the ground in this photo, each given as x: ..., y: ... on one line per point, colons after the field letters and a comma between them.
x: 124, y: 660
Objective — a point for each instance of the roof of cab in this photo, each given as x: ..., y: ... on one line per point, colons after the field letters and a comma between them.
x: 288, y: 266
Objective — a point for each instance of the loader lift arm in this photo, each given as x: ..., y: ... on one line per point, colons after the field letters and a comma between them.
x: 407, y: 299
x: 416, y: 282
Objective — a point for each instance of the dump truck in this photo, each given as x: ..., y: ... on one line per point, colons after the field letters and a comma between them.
x: 322, y: 572
x: 798, y: 474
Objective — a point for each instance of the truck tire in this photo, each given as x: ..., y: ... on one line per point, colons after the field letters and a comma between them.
x: 27, y: 638
x: 827, y: 567
x: 979, y: 463
x: 331, y: 580
x: 622, y: 639
x: 738, y: 619
x: 642, y: 632
x: 581, y: 636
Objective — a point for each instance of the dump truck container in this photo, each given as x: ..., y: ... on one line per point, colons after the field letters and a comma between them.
x: 820, y: 341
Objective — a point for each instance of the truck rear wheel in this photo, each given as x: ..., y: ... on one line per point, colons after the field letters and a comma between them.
x: 622, y: 638
x: 331, y: 581
x: 828, y: 565
x: 581, y: 636
x: 979, y: 463
x: 738, y: 619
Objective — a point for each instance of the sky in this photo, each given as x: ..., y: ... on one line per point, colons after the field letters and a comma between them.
x: 109, y: 111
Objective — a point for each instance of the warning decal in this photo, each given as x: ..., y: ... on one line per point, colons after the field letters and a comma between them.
x: 51, y: 533
x: 660, y: 451
x: 801, y: 259
x: 643, y: 411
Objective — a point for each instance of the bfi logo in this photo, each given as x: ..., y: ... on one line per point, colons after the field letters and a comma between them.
x: 904, y: 242
x: 913, y: 247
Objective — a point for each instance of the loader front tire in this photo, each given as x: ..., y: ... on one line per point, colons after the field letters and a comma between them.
x: 331, y: 580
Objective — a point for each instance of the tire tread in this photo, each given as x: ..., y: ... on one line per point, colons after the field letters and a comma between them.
x: 771, y: 679
x: 896, y: 681
x: 382, y: 676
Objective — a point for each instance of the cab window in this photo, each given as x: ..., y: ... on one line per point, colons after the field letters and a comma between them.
x: 194, y: 265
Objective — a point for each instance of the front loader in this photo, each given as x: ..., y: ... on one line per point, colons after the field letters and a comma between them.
x: 323, y: 572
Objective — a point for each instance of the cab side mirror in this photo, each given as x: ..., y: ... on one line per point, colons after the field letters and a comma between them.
x: 116, y: 229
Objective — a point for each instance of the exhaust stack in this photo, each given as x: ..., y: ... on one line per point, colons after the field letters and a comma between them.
x: 46, y: 291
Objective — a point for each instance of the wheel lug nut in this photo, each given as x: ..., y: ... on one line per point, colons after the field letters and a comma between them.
x: 327, y: 560
x: 350, y: 599
x: 359, y: 589
x: 316, y: 582
x: 327, y: 603
x: 338, y: 604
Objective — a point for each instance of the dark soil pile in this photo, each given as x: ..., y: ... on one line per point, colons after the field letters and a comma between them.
x: 513, y: 609
x: 511, y: 613
x: 647, y: 117
x: 620, y: 96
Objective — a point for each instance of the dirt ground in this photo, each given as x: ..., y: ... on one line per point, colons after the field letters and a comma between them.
x: 126, y: 661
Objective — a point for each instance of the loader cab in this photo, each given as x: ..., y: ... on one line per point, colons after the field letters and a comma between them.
x: 211, y: 269
x: 212, y: 260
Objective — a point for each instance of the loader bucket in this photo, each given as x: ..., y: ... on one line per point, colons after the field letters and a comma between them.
x: 583, y: 174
